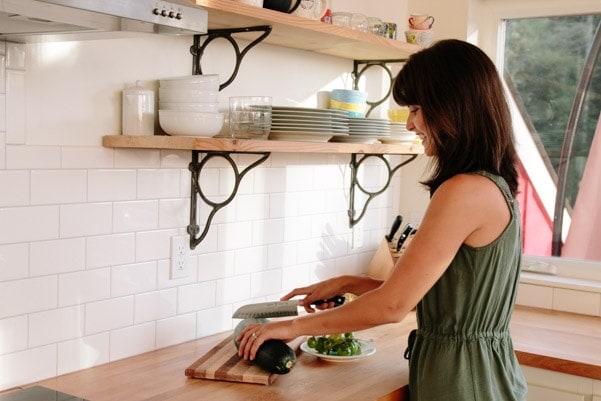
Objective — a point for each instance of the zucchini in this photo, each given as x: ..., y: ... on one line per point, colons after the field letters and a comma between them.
x: 274, y: 356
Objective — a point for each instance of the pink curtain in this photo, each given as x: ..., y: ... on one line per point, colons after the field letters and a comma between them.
x: 584, y: 236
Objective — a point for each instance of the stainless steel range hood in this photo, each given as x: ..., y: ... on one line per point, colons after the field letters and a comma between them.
x: 41, y: 20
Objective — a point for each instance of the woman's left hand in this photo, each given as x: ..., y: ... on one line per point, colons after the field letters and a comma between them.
x: 254, y: 335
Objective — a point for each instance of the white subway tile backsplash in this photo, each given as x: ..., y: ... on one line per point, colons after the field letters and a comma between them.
x: 214, y: 320
x: 234, y: 235
x: 108, y: 315
x: 176, y: 330
x: 83, y: 287
x: 58, y: 186
x: 81, y: 220
x: 216, y: 265
x: 297, y: 228
x: 14, y: 334
x: 57, y: 256
x: 133, y: 279
x: 15, y: 185
x: 283, y: 205
x: 86, y: 157
x: 175, y: 159
x: 267, y: 232
x: 153, y: 245
x: 133, y: 340
x: 27, y: 296
x: 269, y: 180
x: 195, y: 297
x: 55, y: 325
x: 15, y: 107
x: 248, y: 260
x: 27, y: 366
x: 135, y: 216
x: 252, y: 207
x: 111, y: 185
x: 14, y: 261
x: 266, y: 283
x: 155, y: 305
x: 174, y: 213
x: 158, y: 184
x: 82, y: 353
x: 142, y: 158
x: 23, y: 224
x: 281, y: 255
x: 109, y: 250
x: 32, y: 157
x: 232, y: 289
x: 296, y: 276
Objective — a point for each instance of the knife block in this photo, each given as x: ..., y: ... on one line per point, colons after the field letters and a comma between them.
x: 383, y: 260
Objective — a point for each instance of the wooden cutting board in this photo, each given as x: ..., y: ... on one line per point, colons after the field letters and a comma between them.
x: 223, y: 363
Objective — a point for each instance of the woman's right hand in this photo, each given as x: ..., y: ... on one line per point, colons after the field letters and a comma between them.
x: 318, y: 292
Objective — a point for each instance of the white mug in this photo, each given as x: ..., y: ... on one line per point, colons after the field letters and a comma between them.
x: 312, y: 9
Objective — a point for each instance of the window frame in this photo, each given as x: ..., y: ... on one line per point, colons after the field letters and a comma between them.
x: 489, y: 33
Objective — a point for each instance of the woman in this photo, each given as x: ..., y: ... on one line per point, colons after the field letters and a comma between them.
x: 461, y: 269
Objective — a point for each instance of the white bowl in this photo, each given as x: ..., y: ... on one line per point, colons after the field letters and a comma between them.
x: 206, y: 107
x: 190, y: 123
x: 185, y: 94
x: 204, y: 82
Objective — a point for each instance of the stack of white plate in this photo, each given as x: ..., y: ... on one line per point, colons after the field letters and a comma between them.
x: 189, y: 105
x: 365, y: 130
x: 399, y: 134
x: 307, y: 124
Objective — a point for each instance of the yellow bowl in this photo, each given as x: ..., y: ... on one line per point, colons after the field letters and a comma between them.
x: 398, y: 115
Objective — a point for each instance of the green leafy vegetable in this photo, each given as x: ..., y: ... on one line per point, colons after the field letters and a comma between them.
x: 342, y: 344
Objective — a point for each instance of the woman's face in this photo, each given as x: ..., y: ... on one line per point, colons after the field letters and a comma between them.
x: 416, y: 122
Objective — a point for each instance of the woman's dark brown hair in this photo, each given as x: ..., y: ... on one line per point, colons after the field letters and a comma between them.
x: 461, y: 96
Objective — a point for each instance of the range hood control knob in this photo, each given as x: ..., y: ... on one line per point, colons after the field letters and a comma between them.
x: 156, y: 11
x: 178, y: 16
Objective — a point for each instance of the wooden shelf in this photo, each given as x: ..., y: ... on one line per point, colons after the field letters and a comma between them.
x: 242, y: 145
x: 305, y: 34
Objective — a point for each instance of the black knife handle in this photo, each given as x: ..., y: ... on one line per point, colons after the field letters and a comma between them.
x: 404, y: 235
x: 395, y: 227
x: 338, y: 300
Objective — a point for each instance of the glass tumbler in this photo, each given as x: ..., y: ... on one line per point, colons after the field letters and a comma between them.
x: 250, y: 117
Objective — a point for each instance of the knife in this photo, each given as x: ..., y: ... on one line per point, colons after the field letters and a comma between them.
x: 406, y: 231
x: 278, y: 308
x: 395, y: 226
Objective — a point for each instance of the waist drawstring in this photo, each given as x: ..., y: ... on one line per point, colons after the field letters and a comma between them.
x: 410, y: 343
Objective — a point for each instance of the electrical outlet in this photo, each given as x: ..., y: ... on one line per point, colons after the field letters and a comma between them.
x: 180, y: 257
x: 357, y: 236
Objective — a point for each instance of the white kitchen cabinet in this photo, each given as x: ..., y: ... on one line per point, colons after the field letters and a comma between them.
x: 547, y: 385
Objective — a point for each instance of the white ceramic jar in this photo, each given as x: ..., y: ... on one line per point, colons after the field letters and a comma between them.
x: 138, y: 111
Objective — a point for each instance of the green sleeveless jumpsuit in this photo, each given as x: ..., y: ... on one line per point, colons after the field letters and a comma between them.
x: 462, y: 349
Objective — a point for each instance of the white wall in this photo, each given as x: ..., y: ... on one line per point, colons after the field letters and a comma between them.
x: 85, y: 230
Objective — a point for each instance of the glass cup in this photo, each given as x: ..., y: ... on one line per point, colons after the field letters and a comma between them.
x: 250, y: 117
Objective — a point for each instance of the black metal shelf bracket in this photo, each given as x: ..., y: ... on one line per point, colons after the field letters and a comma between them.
x: 361, y: 66
x: 356, y: 162
x: 195, y: 168
x: 199, y: 46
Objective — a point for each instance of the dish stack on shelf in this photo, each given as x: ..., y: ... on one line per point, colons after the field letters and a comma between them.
x: 365, y: 130
x: 189, y: 105
x: 399, y: 134
x: 307, y: 124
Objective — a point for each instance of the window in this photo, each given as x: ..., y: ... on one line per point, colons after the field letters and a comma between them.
x: 553, y: 74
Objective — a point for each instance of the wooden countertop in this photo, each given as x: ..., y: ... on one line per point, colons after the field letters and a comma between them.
x: 558, y: 341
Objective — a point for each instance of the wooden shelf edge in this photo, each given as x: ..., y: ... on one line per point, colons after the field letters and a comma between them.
x: 305, y: 34
x: 159, y: 142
